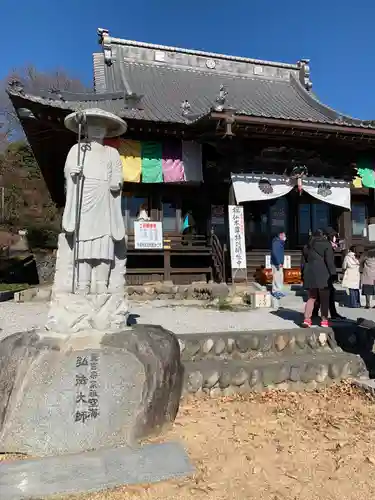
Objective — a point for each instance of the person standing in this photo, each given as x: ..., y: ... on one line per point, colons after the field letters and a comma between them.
x: 368, y: 277
x: 277, y: 263
x: 331, y: 236
x: 352, y: 277
x: 318, y: 270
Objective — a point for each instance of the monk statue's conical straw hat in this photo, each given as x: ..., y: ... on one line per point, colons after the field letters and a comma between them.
x: 114, y: 125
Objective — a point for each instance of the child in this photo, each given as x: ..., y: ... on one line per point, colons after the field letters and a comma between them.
x: 368, y: 277
x: 352, y: 277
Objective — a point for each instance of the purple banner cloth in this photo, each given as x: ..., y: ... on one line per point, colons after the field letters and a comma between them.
x: 172, y: 165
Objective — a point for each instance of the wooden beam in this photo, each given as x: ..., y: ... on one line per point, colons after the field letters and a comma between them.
x: 255, y: 120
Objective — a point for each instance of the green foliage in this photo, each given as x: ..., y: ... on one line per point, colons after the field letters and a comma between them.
x: 13, y: 287
x: 42, y: 236
x: 18, y: 154
x: 21, y: 154
x: 27, y: 201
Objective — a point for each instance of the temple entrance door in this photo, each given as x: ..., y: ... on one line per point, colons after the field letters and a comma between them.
x: 312, y: 216
x: 263, y: 219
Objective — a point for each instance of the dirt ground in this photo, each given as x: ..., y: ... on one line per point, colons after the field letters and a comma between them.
x: 309, y: 446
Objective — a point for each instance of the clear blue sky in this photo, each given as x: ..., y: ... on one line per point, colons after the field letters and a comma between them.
x: 338, y: 36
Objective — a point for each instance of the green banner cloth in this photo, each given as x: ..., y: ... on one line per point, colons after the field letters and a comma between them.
x: 366, y: 173
x: 151, y: 153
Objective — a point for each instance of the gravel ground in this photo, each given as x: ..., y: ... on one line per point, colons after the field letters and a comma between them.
x: 273, y: 446
x: 15, y: 317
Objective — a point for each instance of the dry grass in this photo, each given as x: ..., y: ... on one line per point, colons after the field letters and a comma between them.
x: 275, y: 446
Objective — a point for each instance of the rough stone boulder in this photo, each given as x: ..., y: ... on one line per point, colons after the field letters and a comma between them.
x: 70, y: 393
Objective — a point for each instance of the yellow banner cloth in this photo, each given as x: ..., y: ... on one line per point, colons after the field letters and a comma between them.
x: 130, y: 152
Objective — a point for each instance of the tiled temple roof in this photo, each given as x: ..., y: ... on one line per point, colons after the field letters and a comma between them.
x: 167, y: 84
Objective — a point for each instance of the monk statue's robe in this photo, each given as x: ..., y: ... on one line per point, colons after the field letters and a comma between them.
x: 101, y: 223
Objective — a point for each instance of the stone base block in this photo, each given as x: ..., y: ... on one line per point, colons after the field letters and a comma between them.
x: 72, y: 393
x: 73, y: 312
x: 92, y: 471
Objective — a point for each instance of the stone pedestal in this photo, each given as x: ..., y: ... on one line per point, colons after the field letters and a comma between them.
x: 75, y: 313
x: 72, y: 312
x: 71, y: 393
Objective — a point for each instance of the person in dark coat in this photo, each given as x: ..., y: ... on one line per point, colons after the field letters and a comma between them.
x: 331, y: 236
x: 318, y: 271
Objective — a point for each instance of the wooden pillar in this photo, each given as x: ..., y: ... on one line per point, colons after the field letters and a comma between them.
x: 292, y: 229
x: 167, y: 260
x: 345, y: 226
x: 232, y: 196
x: 371, y: 203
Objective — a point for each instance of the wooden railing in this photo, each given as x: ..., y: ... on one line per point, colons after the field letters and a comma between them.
x: 196, y: 248
x: 177, y: 242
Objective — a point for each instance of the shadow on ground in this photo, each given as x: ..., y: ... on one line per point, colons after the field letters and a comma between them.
x: 289, y: 315
x: 357, y: 338
x: 132, y: 319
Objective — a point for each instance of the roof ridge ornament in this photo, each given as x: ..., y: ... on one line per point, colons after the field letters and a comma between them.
x: 106, y: 42
x: 132, y: 100
x: 220, y: 99
x: 16, y: 85
x: 185, y: 107
x: 304, y: 73
x: 54, y: 90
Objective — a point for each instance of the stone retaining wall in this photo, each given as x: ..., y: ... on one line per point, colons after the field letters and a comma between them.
x: 216, y: 295
x: 250, y: 345
x: 221, y: 364
x: 289, y: 373
x: 167, y: 290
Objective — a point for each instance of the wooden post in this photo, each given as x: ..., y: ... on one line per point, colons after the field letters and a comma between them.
x: 345, y: 226
x: 292, y: 203
x: 167, y: 260
x: 232, y: 196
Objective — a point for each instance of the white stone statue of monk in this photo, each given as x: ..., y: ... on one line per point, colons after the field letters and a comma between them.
x: 97, y: 300
x: 100, y: 219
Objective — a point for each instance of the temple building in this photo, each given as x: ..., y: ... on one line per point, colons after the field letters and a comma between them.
x: 206, y: 132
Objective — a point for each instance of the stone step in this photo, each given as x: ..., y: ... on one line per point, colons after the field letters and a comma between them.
x: 257, y: 344
x: 309, y: 371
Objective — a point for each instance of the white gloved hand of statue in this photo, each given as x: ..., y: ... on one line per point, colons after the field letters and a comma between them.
x: 75, y: 171
x: 116, y: 186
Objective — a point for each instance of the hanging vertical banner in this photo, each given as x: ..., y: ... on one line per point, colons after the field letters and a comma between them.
x: 237, y: 237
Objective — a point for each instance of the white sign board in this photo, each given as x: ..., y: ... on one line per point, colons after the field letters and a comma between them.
x: 287, y: 262
x: 371, y: 232
x: 148, y: 235
x: 237, y: 237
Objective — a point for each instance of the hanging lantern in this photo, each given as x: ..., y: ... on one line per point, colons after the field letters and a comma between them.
x: 299, y: 185
x: 297, y: 173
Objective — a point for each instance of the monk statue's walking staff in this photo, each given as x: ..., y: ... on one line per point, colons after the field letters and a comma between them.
x: 81, y: 120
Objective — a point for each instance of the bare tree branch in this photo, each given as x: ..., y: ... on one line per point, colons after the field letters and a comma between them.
x: 33, y: 81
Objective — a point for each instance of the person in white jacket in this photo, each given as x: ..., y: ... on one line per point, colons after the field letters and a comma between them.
x: 352, y: 277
